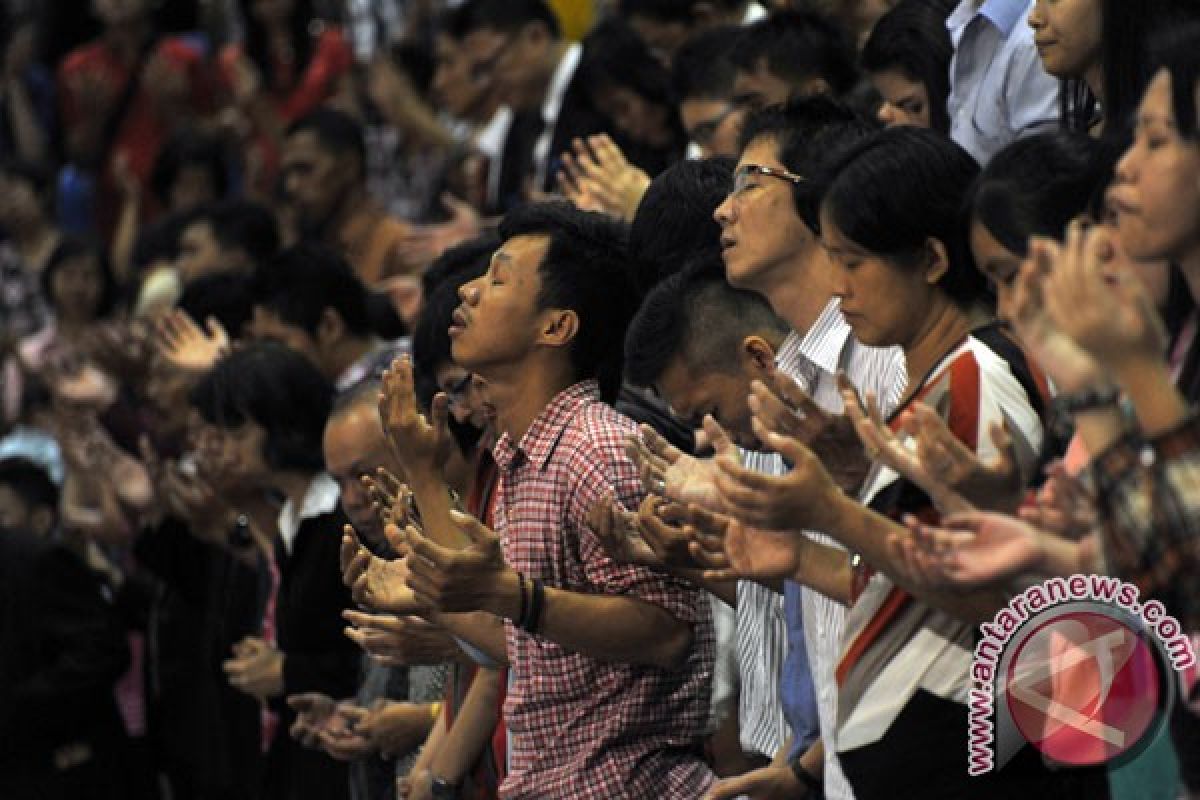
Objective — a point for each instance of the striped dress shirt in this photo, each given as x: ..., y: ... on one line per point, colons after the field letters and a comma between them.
x: 814, y: 361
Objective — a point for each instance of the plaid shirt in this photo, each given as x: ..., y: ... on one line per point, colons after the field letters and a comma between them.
x: 582, y: 728
x: 1149, y: 497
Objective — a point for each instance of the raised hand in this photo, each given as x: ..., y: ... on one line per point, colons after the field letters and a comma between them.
x: 1063, y: 506
x: 470, y: 579
x: 424, y: 243
x: 421, y: 444
x: 395, y: 729
x: 313, y: 711
x: 884, y: 446
x: 997, y: 484
x: 256, y: 668
x: 342, y: 737
x: 979, y: 548
x: 1104, y: 309
x: 661, y: 523
x: 795, y: 501
x: 391, y: 498
x: 732, y: 550
x: 374, y: 582
x: 183, y: 344
x: 786, y: 409
x: 615, y: 184
x: 617, y: 530
x: 667, y: 471
x: 399, y: 640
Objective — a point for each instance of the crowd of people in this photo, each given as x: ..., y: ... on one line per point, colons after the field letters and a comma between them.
x: 584, y: 398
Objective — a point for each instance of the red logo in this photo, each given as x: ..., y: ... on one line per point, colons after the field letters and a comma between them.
x: 1084, y: 688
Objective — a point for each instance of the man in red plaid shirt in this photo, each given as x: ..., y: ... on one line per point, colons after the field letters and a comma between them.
x: 611, y: 664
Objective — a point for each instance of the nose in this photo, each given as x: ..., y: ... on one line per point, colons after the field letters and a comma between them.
x: 724, y: 213
x: 1126, y: 166
x: 886, y: 114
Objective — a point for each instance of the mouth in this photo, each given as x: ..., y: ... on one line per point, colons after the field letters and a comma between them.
x: 1119, y: 205
x: 728, y: 243
x: 458, y: 321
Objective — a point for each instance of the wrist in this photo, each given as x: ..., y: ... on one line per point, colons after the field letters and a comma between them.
x: 505, y: 595
x: 828, y: 510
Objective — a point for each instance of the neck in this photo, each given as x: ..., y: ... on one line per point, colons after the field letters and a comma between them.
x: 798, y: 302
x: 346, y: 353
x: 520, y: 393
x: 353, y: 202
x: 1189, y: 265
x: 546, y: 74
x: 942, y: 331
x: 293, y: 485
x: 1093, y: 76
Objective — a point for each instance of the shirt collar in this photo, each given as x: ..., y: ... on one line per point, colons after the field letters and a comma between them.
x: 1004, y: 14
x: 321, y: 497
x: 539, y: 441
x: 822, y: 345
x: 559, y: 83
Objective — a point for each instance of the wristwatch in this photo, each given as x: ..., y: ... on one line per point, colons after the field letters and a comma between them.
x: 442, y: 789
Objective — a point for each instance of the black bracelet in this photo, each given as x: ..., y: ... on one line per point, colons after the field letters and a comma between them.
x: 812, y: 782
x: 535, y: 607
x: 523, y: 585
x: 1087, y: 400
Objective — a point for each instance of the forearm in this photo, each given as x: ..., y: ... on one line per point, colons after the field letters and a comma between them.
x: 725, y: 591
x: 472, y: 729
x: 419, y: 121
x: 433, y: 744
x: 866, y: 532
x: 1156, y: 402
x: 432, y: 497
x: 30, y: 138
x: 124, y: 238
x: 621, y: 629
x: 479, y: 629
x: 826, y: 570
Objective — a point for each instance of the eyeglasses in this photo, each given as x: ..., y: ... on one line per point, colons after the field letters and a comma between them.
x: 746, y: 172
x: 481, y: 70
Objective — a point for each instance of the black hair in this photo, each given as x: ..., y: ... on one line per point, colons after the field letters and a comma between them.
x: 674, y: 221
x: 585, y: 270
x: 468, y: 258
x: 30, y: 482
x: 912, y: 38
x: 242, y: 225
x: 695, y: 315
x: 69, y: 249
x: 798, y: 46
x: 659, y: 10
x: 301, y: 282
x: 615, y: 56
x: 1036, y: 185
x: 507, y: 16
x: 1125, y: 56
x: 1178, y: 52
x: 336, y: 132
x: 189, y: 149
x: 276, y: 388
x: 258, y: 50
x: 702, y: 69
x: 895, y: 190
x: 798, y: 129
x: 226, y: 296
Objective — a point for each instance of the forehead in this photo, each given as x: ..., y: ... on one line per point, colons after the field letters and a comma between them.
x: 304, y: 145
x: 526, y: 250
x: 763, y: 151
x: 353, y: 435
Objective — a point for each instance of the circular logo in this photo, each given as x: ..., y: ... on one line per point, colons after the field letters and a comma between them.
x: 1084, y: 688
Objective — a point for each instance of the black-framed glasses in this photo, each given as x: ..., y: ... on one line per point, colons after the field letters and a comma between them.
x: 703, y: 133
x: 743, y: 174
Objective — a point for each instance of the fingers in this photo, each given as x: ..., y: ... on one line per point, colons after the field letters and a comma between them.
x: 439, y: 412
x: 658, y: 446
x: 717, y: 437
x: 478, y: 533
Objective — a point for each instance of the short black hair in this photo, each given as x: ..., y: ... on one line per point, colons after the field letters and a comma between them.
x: 659, y: 10
x: 507, y: 16
x: 702, y: 69
x: 798, y: 46
x: 336, y: 132
x: 276, y: 388
x: 805, y: 130
x: 69, y: 249
x: 1038, y: 184
x: 674, y: 221
x: 189, y: 149
x: 464, y: 258
x: 302, y: 281
x: 896, y: 189
x: 226, y: 296
x: 615, y: 56
x: 585, y: 270
x: 695, y: 315
x: 242, y: 225
x: 30, y: 482
x: 912, y: 38
x: 1178, y: 52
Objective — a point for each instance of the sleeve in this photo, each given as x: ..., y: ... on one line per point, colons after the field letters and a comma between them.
x: 85, y: 642
x: 604, y: 468
x: 1149, y: 498
x: 331, y: 59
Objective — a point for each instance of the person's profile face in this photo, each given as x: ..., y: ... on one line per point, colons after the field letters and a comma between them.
x: 694, y: 393
x: 455, y: 88
x: 266, y: 325
x: 199, y: 252
x: 354, y: 446
x: 314, y: 179
x: 905, y: 101
x: 76, y: 287
x: 640, y: 119
x: 497, y: 322
x: 1068, y: 34
x: 712, y: 125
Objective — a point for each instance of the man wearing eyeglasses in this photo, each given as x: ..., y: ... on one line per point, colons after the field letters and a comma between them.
x: 770, y: 245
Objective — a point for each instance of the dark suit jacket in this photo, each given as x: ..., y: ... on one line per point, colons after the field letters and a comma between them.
x: 62, y: 649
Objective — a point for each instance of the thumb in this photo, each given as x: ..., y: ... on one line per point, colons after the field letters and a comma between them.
x: 1006, y: 447
x: 439, y: 410
x: 475, y: 530
x: 396, y: 538
x: 717, y: 436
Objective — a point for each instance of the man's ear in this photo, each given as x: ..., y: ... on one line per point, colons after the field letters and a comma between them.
x: 330, y: 328
x: 757, y: 356
x: 559, y: 327
x: 937, y: 261
x: 41, y: 521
